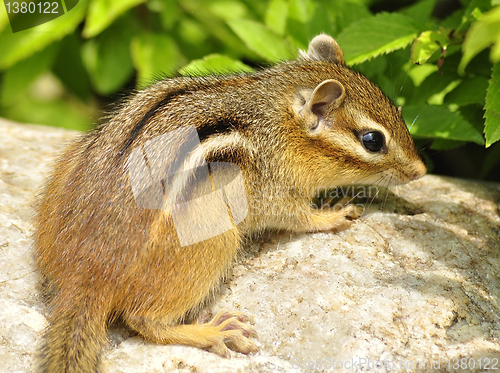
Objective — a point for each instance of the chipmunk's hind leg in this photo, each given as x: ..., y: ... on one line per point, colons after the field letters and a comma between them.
x: 227, y: 330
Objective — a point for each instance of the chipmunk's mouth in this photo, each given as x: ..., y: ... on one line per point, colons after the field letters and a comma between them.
x: 412, y: 172
x: 395, y: 176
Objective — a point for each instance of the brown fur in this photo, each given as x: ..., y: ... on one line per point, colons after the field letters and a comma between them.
x: 105, y: 256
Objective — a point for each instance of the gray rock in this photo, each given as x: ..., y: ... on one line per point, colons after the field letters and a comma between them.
x: 416, y: 281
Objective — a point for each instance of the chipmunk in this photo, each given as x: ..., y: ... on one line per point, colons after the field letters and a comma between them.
x: 144, y: 216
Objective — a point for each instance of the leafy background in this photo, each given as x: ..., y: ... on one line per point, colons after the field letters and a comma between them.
x: 438, y: 59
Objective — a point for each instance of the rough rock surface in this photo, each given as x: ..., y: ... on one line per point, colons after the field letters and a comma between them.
x: 413, y: 286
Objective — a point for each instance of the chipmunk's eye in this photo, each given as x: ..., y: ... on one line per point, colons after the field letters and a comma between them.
x: 373, y: 141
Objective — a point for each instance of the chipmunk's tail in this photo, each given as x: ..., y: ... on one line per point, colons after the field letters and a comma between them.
x: 74, y: 339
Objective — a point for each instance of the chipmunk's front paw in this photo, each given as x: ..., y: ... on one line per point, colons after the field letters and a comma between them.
x: 346, y: 216
x: 352, y: 212
x: 337, y: 217
x: 229, y: 329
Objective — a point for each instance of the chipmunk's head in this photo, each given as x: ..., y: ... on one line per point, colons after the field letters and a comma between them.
x: 356, y: 133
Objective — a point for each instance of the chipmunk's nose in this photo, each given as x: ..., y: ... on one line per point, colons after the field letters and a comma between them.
x: 417, y: 170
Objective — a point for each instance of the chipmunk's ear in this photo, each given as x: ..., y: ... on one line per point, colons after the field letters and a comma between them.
x: 329, y: 94
x: 323, y: 48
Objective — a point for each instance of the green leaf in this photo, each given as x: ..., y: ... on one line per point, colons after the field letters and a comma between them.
x: 107, y: 58
x: 442, y: 144
x: 433, y: 84
x: 56, y: 112
x: 215, y: 27
x: 476, y: 7
x: 492, y: 115
x: 4, y: 18
x: 419, y: 73
x: 261, y: 40
x: 276, y: 15
x: 382, y: 33
x: 170, y: 12
x: 454, y: 20
x: 375, y: 66
x: 430, y: 121
x: 17, y: 46
x: 19, y: 77
x: 192, y: 32
x: 306, y: 20
x: 474, y: 114
x: 421, y: 11
x: 301, y: 10
x: 348, y: 12
x: 154, y: 55
x: 481, y: 35
x: 469, y: 91
x: 228, y: 9
x: 214, y: 64
x: 426, y: 45
x: 68, y: 67
x: 258, y: 8
x: 102, y: 13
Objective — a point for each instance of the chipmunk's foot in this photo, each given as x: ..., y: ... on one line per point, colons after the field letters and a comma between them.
x: 349, y: 211
x: 227, y: 331
x: 336, y: 217
x: 231, y: 331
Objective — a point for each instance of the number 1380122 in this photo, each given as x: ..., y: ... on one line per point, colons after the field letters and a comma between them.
x: 32, y: 7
